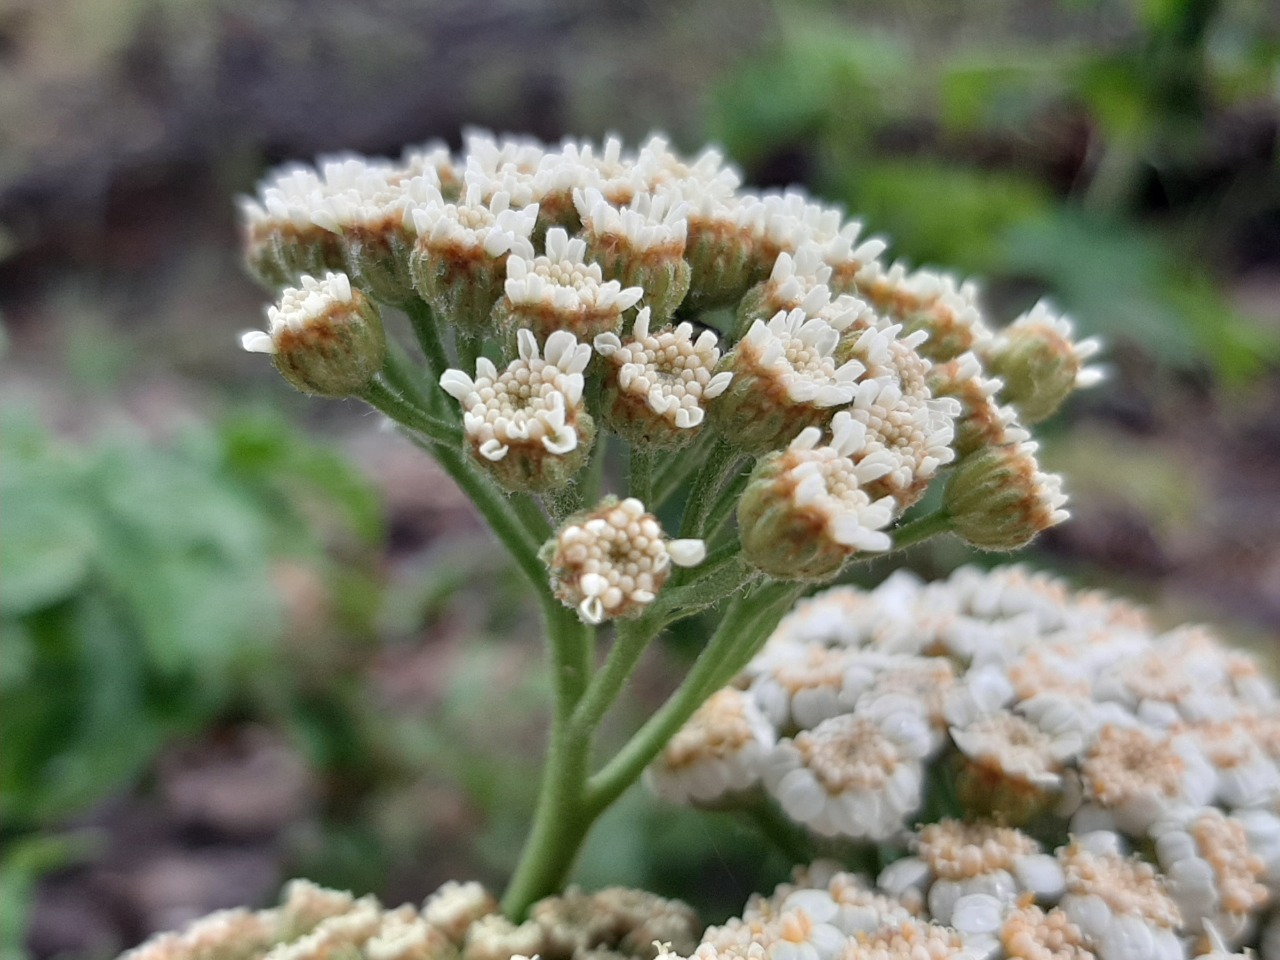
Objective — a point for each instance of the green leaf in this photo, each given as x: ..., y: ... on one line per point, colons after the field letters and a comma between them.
x: 48, y: 540
x: 305, y: 479
x: 188, y: 555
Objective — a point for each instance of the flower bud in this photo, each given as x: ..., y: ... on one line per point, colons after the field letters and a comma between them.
x: 612, y: 562
x: 982, y: 422
x: 282, y: 241
x: 805, y: 510
x: 459, y: 262
x: 998, y: 499
x: 720, y: 251
x: 561, y: 291
x: 784, y: 379
x: 1039, y: 363
x: 325, y: 337
x: 527, y: 426
x: 641, y: 245
x: 655, y: 384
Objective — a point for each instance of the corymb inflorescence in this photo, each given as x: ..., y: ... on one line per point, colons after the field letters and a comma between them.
x: 672, y: 397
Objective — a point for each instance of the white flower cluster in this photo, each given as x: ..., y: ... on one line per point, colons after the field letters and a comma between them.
x: 612, y: 562
x: 535, y: 403
x: 300, y: 307
x: 1150, y: 759
x: 515, y: 235
x: 460, y: 921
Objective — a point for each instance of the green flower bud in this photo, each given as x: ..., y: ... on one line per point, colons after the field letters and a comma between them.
x: 325, y: 337
x: 805, y: 510
x: 278, y: 254
x: 459, y: 263
x: 1039, y: 363
x: 998, y: 499
x: 785, y: 378
x: 641, y: 245
x: 379, y: 262
x: 282, y: 240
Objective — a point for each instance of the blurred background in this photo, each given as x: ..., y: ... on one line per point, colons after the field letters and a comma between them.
x: 242, y: 639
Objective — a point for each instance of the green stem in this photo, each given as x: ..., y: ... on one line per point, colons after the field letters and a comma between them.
x: 720, y: 463
x: 922, y: 528
x: 401, y: 375
x: 469, y: 349
x: 379, y: 395
x: 531, y: 515
x: 630, y: 641
x: 749, y: 620
x: 778, y: 599
x: 562, y: 818
x: 496, y: 508
x: 724, y: 505
x: 428, y: 334
x: 640, y: 474
x: 679, y: 464
x: 593, y: 479
x: 717, y: 578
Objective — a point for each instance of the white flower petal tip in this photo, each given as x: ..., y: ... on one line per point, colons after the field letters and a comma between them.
x: 687, y: 553
x: 255, y: 341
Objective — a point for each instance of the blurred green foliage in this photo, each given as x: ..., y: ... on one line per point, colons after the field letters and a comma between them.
x: 1082, y: 160
x: 140, y: 604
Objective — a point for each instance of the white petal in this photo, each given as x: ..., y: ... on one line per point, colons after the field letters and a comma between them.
x: 255, y: 341
x: 687, y: 553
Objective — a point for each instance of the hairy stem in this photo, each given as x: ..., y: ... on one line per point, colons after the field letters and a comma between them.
x: 382, y: 397
x: 720, y: 464
x: 562, y: 817
x: 677, y: 467
x: 631, y: 639
x: 428, y: 334
x: 749, y: 620
x: 922, y: 528
x: 640, y: 474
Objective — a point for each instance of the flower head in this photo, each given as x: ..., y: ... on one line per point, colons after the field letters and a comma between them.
x: 562, y: 291
x: 807, y: 509
x: 528, y: 424
x: 914, y: 429
x: 324, y: 336
x: 657, y: 383
x: 719, y: 751
x: 612, y: 562
x: 641, y: 244
x: 1120, y: 903
x: 954, y: 860
x: 856, y: 775
x: 786, y: 378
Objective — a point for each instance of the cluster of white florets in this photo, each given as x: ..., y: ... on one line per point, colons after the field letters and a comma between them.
x: 806, y: 321
x: 1150, y: 760
x: 460, y: 921
x: 612, y: 562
